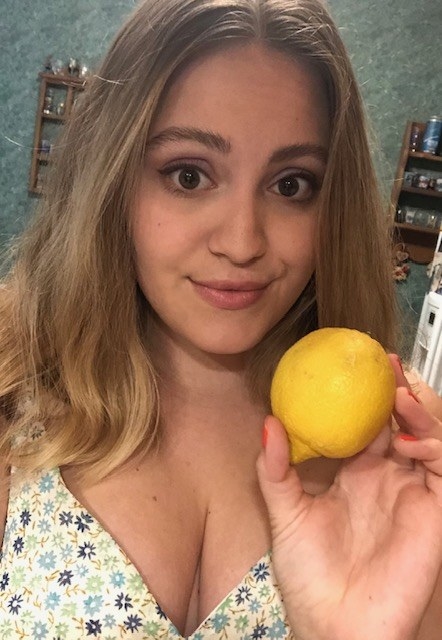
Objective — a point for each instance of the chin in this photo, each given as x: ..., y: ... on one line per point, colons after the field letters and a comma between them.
x: 227, y: 345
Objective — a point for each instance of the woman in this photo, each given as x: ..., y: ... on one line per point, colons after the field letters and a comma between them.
x: 205, y: 213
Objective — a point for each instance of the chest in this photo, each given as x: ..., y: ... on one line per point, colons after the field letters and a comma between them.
x: 82, y: 583
x: 192, y: 535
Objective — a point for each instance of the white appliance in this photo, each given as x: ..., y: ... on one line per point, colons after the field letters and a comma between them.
x: 427, y: 350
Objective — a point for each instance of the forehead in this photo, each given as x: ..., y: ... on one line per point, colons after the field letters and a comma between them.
x: 241, y: 84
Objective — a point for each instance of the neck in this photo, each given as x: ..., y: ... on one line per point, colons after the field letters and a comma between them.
x: 205, y: 395
x: 191, y: 376
x: 203, y: 399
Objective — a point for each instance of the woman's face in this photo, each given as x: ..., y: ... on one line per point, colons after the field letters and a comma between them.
x: 225, y: 219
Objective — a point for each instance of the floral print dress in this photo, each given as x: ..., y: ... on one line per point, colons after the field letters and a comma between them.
x: 63, y: 577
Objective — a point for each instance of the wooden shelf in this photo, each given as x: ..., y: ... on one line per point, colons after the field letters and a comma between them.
x: 425, y: 156
x: 417, y: 228
x: 62, y: 79
x: 66, y: 89
x: 53, y: 117
x: 423, y: 192
x: 420, y: 242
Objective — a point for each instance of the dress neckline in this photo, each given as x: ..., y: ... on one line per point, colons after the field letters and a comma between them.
x: 258, y: 566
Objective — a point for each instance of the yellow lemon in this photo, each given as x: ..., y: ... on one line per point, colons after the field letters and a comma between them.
x: 333, y: 391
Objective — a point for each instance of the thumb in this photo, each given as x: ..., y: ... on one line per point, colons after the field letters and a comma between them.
x: 280, y: 484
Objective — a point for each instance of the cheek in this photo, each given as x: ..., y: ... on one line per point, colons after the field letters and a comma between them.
x: 161, y: 246
x: 145, y: 251
x: 150, y: 237
x: 142, y: 245
x: 298, y: 245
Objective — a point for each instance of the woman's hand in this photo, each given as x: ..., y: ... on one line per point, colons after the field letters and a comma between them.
x: 421, y: 432
x: 361, y: 560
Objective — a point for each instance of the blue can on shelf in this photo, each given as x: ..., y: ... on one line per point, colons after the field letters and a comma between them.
x: 432, y: 135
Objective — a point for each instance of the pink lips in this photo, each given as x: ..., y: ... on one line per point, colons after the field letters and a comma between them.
x: 225, y: 294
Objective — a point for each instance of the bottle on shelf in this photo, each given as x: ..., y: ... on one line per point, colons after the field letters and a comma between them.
x: 432, y: 135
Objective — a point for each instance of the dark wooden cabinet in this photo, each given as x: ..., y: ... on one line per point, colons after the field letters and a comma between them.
x: 56, y: 99
x: 417, y: 205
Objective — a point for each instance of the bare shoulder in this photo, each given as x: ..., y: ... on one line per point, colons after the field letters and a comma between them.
x: 7, y: 338
x: 4, y: 494
x: 429, y: 398
x: 4, y: 488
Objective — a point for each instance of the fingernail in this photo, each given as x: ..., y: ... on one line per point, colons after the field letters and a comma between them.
x: 413, y: 395
x: 407, y: 436
x: 264, y: 437
x: 399, y: 361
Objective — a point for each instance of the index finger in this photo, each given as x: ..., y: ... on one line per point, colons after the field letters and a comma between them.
x: 412, y: 417
x: 396, y: 363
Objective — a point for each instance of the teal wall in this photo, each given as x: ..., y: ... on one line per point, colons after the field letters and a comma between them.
x: 30, y: 30
x: 395, y: 46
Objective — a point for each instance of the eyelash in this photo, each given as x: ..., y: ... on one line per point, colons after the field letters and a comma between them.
x: 167, y: 172
x: 173, y: 188
x: 312, y: 180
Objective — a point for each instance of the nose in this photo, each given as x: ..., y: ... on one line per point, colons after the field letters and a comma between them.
x: 239, y: 233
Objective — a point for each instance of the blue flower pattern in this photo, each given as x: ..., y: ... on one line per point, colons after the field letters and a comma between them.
x: 63, y: 576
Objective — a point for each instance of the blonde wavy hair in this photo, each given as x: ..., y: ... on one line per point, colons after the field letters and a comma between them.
x: 74, y: 340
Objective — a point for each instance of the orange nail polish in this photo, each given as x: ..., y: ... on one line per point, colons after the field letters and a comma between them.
x: 407, y: 436
x: 264, y: 437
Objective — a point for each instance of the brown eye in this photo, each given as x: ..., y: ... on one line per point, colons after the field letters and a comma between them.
x: 295, y: 186
x: 288, y: 186
x: 185, y: 177
x: 189, y: 178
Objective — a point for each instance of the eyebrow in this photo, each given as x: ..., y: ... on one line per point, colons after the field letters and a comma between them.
x: 217, y: 142
x: 207, y: 138
x: 299, y: 151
